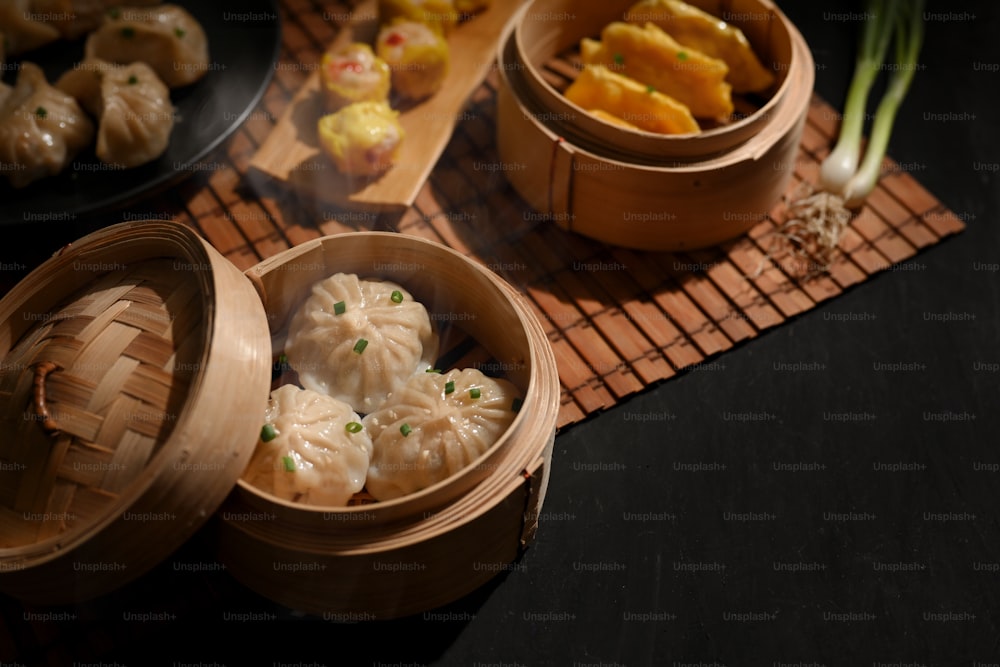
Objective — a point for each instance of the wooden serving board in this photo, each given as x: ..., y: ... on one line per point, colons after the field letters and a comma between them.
x: 291, y: 153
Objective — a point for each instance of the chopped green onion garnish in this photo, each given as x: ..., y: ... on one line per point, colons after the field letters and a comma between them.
x: 396, y: 296
x: 353, y: 427
x: 268, y: 433
x: 449, y: 387
x: 433, y: 370
x: 179, y: 32
x: 41, y: 112
x: 132, y: 80
x: 405, y: 430
x: 128, y: 32
x: 619, y: 59
x: 650, y: 89
x: 516, y: 404
x: 682, y: 55
x: 360, y: 346
x: 289, y: 463
x: 339, y: 308
x: 474, y: 392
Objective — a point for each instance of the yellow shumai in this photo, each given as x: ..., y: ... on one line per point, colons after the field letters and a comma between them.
x: 598, y: 88
x: 362, y: 139
x: 654, y: 58
x: 697, y: 29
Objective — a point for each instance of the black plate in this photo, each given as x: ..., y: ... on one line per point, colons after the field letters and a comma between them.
x: 243, y: 40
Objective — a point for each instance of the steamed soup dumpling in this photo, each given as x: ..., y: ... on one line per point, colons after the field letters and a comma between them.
x: 166, y: 37
x: 22, y: 31
x: 312, y: 449
x: 41, y: 128
x: 359, y: 340
x: 435, y: 426
x: 132, y: 105
x: 75, y: 18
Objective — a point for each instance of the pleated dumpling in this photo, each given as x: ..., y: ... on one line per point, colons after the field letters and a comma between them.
x: 359, y: 340
x: 22, y: 31
x: 435, y: 426
x: 41, y: 128
x: 710, y: 35
x: 655, y: 59
x: 312, y: 450
x: 75, y: 18
x: 166, y: 37
x: 132, y: 105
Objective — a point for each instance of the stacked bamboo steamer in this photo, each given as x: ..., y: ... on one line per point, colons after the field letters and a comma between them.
x: 136, y: 368
x: 640, y: 189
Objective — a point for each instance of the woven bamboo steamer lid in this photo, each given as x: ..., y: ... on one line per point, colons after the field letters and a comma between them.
x: 135, y: 364
x: 604, y: 190
x: 399, y: 557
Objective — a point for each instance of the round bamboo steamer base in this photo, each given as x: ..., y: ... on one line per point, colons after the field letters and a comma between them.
x: 546, y: 29
x: 604, y: 191
x: 140, y: 429
x: 400, y: 557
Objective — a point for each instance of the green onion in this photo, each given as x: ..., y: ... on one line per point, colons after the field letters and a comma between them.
x: 128, y: 32
x: 474, y: 392
x: 360, y: 346
x: 405, y: 430
x: 397, y: 296
x: 619, y: 59
x: 179, y: 32
x: 909, y: 38
x: 682, y: 55
x: 41, y: 112
x: 650, y: 89
x: 132, y: 80
x: 449, y: 386
x: 268, y: 433
x: 353, y: 427
x: 815, y: 220
x: 339, y: 308
x: 840, y: 165
x: 433, y: 370
x: 289, y: 463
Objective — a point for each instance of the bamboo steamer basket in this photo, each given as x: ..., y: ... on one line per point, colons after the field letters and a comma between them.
x: 132, y: 366
x: 404, y: 556
x: 94, y: 496
x: 639, y: 189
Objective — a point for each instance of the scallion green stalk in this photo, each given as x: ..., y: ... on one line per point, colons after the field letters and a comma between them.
x: 909, y: 39
x: 840, y: 165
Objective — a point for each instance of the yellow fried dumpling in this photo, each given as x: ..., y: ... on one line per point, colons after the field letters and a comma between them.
x: 608, y: 117
x: 363, y: 138
x: 710, y: 35
x: 654, y: 58
x: 597, y: 87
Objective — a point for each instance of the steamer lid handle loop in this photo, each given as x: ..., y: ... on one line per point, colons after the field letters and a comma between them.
x: 42, y: 370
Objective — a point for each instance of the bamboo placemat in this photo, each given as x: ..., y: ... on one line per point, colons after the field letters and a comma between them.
x: 619, y: 320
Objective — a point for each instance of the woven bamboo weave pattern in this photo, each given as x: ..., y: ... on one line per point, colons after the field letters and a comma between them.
x: 122, y: 354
